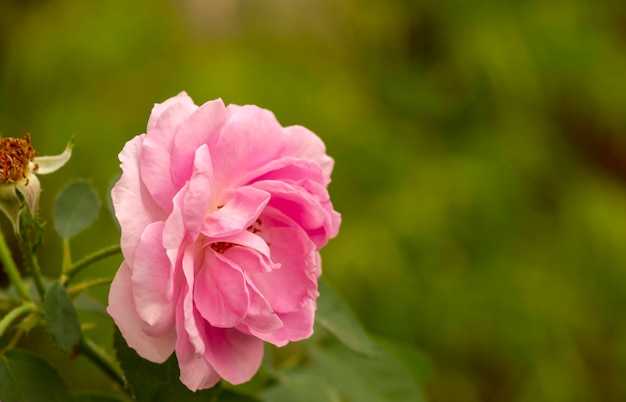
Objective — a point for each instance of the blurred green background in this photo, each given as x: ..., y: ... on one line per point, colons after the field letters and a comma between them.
x: 479, y: 146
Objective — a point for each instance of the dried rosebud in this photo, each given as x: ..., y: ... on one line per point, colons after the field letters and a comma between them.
x: 18, y: 164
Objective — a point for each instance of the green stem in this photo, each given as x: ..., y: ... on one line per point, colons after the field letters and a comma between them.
x: 13, y: 314
x: 102, y: 360
x: 35, y: 270
x: 90, y: 259
x: 87, y: 284
x: 11, y: 269
x: 67, y: 256
x: 25, y: 243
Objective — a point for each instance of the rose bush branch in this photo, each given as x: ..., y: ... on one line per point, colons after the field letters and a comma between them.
x: 11, y: 269
x: 81, y: 287
x: 30, y: 258
x: 13, y: 314
x: 92, y: 351
x: 85, y: 262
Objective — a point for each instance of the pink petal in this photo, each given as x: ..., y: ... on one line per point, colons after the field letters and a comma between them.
x: 298, y: 325
x: 250, y: 139
x: 289, y: 287
x: 190, y: 326
x: 237, y: 214
x: 297, y: 204
x: 159, y: 108
x: 195, y: 371
x: 195, y: 131
x: 234, y: 355
x: 134, y: 206
x: 122, y: 308
x: 197, y: 198
x: 245, y: 239
x: 260, y: 317
x: 250, y: 260
x: 152, y: 281
x: 288, y: 169
x: 220, y: 292
x: 156, y: 158
x: 317, y: 218
x: 303, y: 143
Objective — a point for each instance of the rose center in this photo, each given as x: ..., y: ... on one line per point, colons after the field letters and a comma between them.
x: 15, y: 157
x: 222, y: 246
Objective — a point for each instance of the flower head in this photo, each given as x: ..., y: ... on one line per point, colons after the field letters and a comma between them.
x: 223, y: 212
x: 19, y: 163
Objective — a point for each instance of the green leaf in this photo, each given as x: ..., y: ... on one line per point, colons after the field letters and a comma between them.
x: 61, y: 317
x: 336, y: 317
x: 26, y: 377
x: 77, y: 206
x: 359, y: 378
x: 302, y: 386
x: 149, y: 381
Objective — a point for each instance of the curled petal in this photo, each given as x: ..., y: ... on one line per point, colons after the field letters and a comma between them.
x: 237, y: 214
x: 49, y: 164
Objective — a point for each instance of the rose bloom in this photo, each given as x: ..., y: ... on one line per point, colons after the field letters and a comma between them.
x: 223, y: 212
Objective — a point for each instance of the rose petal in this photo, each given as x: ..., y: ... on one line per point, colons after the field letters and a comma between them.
x: 134, y: 207
x: 237, y: 214
x: 289, y: 287
x: 49, y: 164
x: 158, y: 109
x: 189, y: 325
x: 234, y: 355
x: 152, y: 281
x: 260, y: 316
x: 298, y: 325
x: 156, y: 157
x: 197, y: 198
x: 303, y: 143
x: 220, y: 292
x: 122, y: 308
x: 195, y: 131
x: 195, y: 371
x: 250, y: 139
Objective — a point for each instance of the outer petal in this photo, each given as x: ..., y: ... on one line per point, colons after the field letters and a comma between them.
x: 156, y: 158
x: 195, y: 371
x: 234, y: 355
x: 297, y: 326
x: 134, y: 207
x: 49, y: 164
x: 205, y: 123
x: 30, y: 192
x: 303, y: 143
x: 158, y: 109
x: 250, y: 139
x: 153, y: 282
x: 122, y: 309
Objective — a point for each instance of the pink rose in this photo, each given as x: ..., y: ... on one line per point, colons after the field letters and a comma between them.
x: 223, y: 212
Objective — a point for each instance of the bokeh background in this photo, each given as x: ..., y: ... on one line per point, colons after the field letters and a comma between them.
x: 479, y: 146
